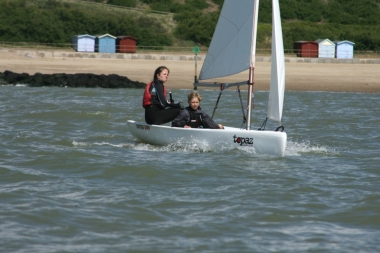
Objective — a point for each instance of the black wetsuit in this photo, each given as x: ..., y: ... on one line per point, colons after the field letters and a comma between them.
x: 194, y: 119
x: 160, y: 111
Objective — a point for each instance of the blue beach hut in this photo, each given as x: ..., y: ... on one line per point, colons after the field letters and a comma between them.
x: 344, y: 49
x: 83, y: 43
x: 105, y: 43
x: 326, y: 48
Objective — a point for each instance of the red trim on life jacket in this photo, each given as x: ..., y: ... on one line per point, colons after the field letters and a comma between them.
x: 147, y: 96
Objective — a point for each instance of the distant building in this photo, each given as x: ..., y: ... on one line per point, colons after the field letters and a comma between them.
x: 126, y: 44
x: 326, y: 48
x: 344, y: 49
x: 83, y: 43
x: 307, y: 49
x: 105, y: 43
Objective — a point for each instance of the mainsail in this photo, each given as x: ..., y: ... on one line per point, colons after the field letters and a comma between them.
x: 231, y: 49
x: 277, y: 83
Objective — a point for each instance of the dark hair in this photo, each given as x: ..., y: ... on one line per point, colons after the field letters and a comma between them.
x: 158, y: 71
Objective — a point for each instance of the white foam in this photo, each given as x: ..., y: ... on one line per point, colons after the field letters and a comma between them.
x: 298, y: 148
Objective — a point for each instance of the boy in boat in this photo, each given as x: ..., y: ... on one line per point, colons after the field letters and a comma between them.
x: 193, y: 116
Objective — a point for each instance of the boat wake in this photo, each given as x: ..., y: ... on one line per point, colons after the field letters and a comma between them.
x: 304, y: 147
x: 200, y: 147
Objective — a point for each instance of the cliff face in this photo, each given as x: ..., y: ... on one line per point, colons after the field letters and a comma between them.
x: 69, y: 80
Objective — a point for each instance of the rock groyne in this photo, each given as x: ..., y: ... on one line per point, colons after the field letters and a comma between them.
x: 85, y: 80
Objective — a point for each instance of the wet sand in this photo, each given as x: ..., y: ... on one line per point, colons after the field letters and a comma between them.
x: 336, y: 77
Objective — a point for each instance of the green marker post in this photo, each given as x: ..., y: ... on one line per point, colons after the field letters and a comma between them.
x: 196, y: 50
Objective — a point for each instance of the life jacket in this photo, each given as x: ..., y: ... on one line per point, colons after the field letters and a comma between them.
x: 150, y: 95
x: 195, y: 119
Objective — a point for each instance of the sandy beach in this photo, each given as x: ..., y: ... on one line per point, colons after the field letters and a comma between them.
x: 299, y: 76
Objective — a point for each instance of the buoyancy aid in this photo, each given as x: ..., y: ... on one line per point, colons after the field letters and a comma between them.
x: 150, y: 95
x: 195, y: 119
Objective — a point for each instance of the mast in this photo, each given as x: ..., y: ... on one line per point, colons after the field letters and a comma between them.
x: 252, y: 63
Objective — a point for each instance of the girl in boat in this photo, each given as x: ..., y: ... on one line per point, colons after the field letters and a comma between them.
x: 157, y: 109
x: 193, y: 116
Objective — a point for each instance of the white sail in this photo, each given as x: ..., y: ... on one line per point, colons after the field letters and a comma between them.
x: 277, y: 82
x: 231, y: 50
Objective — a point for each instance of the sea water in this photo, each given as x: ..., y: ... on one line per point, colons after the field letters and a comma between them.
x: 74, y: 179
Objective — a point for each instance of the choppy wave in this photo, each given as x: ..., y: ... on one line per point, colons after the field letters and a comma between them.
x: 72, y: 177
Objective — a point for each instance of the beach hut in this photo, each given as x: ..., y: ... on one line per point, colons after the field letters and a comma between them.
x: 344, y: 49
x: 83, y: 43
x: 306, y: 49
x: 126, y: 44
x: 326, y: 48
x: 105, y: 43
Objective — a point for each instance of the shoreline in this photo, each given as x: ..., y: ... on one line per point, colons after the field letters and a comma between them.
x: 300, y: 76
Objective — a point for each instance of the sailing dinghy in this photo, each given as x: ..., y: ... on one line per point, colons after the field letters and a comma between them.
x: 233, y: 50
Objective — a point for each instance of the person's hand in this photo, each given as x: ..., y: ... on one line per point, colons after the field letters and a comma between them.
x: 221, y: 126
x: 186, y: 126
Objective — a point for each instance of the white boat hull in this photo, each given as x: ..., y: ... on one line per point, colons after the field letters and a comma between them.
x: 263, y: 142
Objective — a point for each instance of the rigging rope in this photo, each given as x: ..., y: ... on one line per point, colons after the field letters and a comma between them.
x: 241, y: 103
x: 217, y: 101
x: 262, y: 128
x: 242, y: 108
